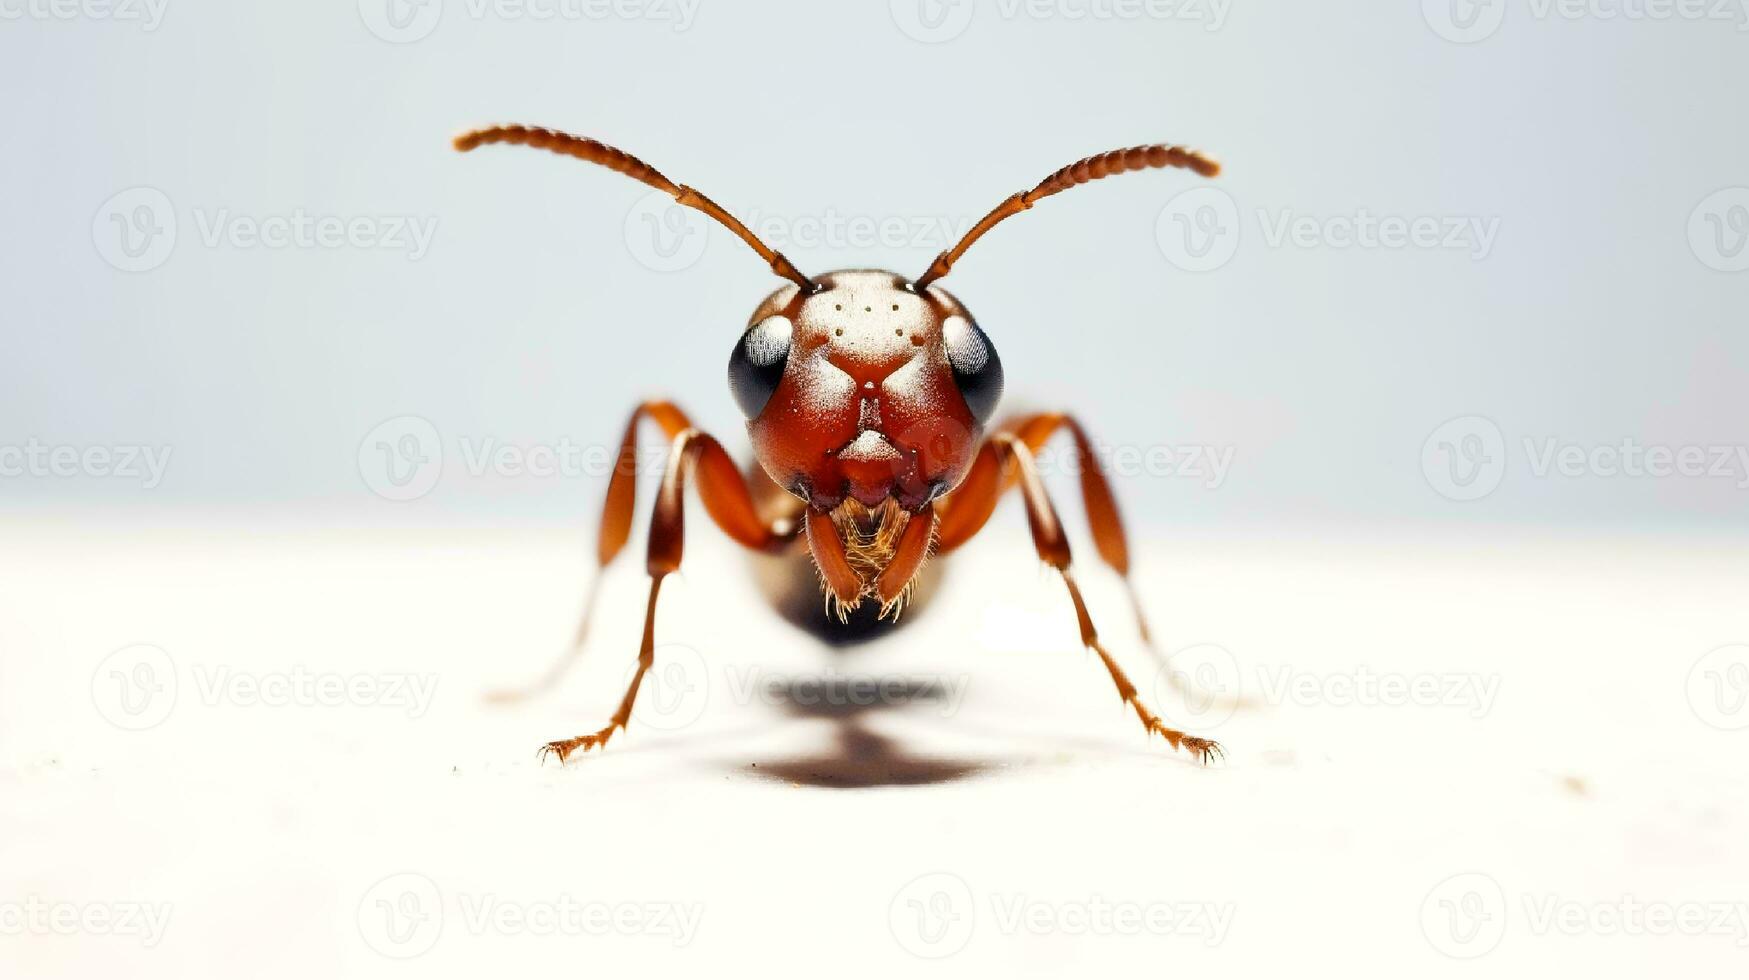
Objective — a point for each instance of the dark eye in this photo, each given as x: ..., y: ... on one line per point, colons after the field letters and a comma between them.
x: 976, y: 368
x: 756, y: 366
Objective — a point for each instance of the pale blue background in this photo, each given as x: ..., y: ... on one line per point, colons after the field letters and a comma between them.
x: 531, y: 320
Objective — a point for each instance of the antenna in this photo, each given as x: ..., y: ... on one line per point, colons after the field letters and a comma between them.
x: 1079, y: 172
x: 600, y: 153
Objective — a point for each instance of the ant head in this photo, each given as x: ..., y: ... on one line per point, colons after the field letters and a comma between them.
x: 863, y: 387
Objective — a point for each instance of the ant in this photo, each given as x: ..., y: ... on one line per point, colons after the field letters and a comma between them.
x: 867, y: 395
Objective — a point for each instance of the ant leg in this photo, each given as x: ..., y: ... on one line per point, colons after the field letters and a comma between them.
x: 726, y: 497
x: 1053, y: 548
x: 1096, y: 497
x: 616, y: 529
x: 1108, y: 535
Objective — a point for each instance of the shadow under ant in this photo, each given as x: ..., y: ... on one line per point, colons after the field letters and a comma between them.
x: 861, y: 758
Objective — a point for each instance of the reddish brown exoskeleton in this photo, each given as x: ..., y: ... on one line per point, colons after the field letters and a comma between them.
x: 867, y: 395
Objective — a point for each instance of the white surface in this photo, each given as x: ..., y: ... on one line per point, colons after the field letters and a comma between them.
x: 264, y: 830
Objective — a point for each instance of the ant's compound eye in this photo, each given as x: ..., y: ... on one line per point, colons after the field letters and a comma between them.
x: 756, y: 366
x: 976, y: 368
